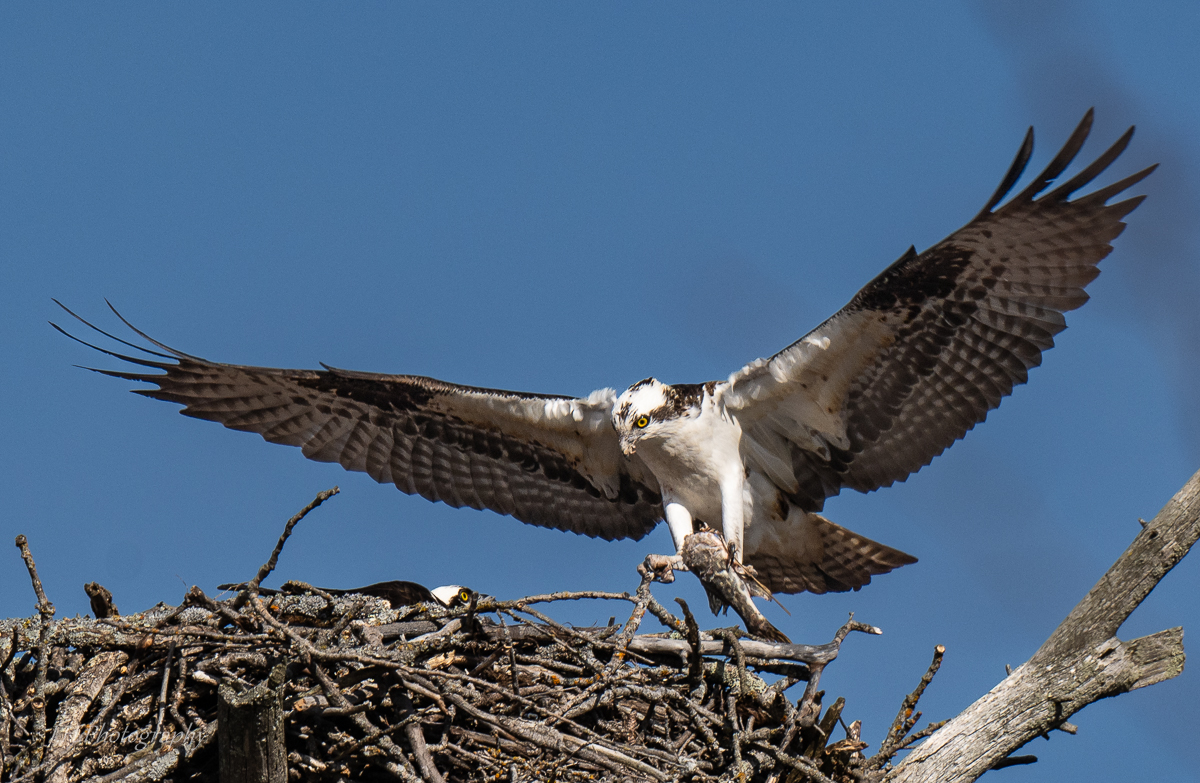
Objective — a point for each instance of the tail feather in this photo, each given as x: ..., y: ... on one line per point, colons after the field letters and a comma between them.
x: 823, y: 557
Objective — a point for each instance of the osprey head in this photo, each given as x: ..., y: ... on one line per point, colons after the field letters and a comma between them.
x: 452, y: 596
x: 642, y: 410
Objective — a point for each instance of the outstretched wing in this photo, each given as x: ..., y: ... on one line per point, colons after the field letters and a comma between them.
x: 546, y: 460
x: 923, y: 352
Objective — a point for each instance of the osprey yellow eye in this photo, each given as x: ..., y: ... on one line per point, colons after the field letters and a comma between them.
x: 642, y: 421
x: 464, y: 596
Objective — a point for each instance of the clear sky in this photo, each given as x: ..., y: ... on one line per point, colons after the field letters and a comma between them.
x: 560, y: 197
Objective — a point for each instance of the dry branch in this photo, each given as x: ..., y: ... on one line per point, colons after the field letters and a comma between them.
x: 1083, y: 661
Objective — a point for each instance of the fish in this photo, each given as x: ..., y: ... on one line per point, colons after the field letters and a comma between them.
x: 728, y: 583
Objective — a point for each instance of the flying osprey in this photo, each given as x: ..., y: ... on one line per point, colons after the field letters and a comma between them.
x: 915, y: 360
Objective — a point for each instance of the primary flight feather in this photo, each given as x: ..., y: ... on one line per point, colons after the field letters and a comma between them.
x: 916, y: 359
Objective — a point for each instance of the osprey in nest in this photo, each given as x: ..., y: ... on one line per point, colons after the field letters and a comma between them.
x: 915, y: 360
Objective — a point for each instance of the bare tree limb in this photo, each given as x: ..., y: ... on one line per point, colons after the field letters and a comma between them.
x: 269, y: 566
x: 907, y: 718
x: 1080, y: 663
x: 46, y: 610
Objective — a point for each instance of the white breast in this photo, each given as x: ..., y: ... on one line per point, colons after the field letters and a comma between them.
x: 688, y: 456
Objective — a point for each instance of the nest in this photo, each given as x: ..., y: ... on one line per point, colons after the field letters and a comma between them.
x: 349, y: 687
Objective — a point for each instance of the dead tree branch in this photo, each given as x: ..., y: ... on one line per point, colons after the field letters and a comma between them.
x: 1083, y: 661
x: 273, y: 560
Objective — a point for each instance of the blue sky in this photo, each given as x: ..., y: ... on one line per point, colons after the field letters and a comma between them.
x: 563, y: 197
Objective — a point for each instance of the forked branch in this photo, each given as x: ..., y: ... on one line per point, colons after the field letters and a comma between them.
x: 1083, y: 661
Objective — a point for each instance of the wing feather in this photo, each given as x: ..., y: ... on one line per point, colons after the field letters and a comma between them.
x: 922, y: 353
x: 547, y: 460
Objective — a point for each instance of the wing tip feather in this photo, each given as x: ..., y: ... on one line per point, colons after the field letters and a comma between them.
x: 1070, y: 150
x: 1060, y: 161
x: 1013, y: 174
x: 1092, y: 170
x: 1104, y: 194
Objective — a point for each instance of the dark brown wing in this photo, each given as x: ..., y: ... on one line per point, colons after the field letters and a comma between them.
x: 546, y: 460
x: 923, y: 352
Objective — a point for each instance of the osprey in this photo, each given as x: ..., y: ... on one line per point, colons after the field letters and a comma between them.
x: 397, y: 593
x: 916, y: 359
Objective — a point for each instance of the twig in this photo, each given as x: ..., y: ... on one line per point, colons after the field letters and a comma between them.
x: 512, y: 657
x: 416, y: 740
x: 663, y: 616
x: 631, y: 625
x: 920, y: 735
x: 64, y: 744
x: 809, y: 707
x: 805, y: 767
x: 695, y: 661
x: 401, y: 768
x: 804, y: 653
x: 906, y: 718
x: 44, y: 607
x: 196, y: 597
x: 556, y: 741
x: 574, y: 595
x: 100, y: 722
x: 854, y: 625
x: 46, y: 610
x: 177, y: 695
x: 269, y: 566
x: 345, y: 620
x: 5, y: 707
x: 162, y: 695
x: 824, y: 728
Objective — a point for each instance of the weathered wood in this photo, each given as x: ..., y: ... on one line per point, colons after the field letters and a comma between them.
x: 1081, y: 662
x: 154, y: 767
x: 250, y: 732
x: 1158, y: 548
x: 416, y: 740
x: 802, y: 653
x: 83, y: 692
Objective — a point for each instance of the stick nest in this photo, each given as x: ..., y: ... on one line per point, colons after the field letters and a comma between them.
x: 495, y: 690
x: 373, y: 692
